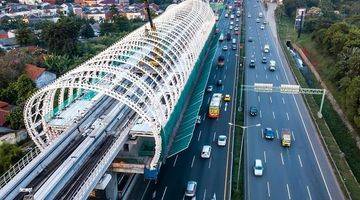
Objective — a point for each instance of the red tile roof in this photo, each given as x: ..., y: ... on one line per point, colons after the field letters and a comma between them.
x: 33, y: 71
x: 4, y: 112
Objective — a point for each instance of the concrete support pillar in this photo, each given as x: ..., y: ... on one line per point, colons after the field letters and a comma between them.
x: 111, y: 189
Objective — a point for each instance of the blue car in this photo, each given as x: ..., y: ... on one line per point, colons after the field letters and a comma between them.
x: 269, y: 133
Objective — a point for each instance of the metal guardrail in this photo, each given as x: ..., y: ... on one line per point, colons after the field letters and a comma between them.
x: 17, y: 167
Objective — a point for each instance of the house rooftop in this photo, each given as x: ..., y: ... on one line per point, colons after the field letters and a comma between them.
x: 33, y: 71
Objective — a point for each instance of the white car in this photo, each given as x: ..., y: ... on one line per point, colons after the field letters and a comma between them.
x: 258, y: 168
x: 206, y: 151
x: 257, y: 20
x: 249, y: 15
x: 262, y: 27
x: 272, y: 65
x: 222, y: 140
x: 198, y: 119
x: 191, y: 189
x: 231, y: 23
x: 225, y: 48
x: 231, y: 27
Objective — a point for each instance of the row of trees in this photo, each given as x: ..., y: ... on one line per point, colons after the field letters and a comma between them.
x: 342, y: 41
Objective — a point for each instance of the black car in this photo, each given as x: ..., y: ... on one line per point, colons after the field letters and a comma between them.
x: 252, y: 63
x: 228, y: 36
x: 219, y: 83
x: 253, y: 111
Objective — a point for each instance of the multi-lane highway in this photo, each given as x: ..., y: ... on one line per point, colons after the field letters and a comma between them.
x: 303, y: 170
x: 211, y: 174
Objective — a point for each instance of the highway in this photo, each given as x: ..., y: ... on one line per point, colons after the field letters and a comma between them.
x: 303, y: 170
x: 188, y: 165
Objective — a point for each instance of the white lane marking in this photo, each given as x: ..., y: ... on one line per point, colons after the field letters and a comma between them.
x: 214, y: 76
x: 287, y: 115
x: 225, y: 77
x: 301, y: 165
x: 209, y: 163
x: 222, y: 88
x: 143, y: 195
x: 164, y: 193
x: 305, y: 127
x: 288, y: 191
x: 225, y: 107
x: 277, y: 134
x: 266, y: 76
x: 277, y: 77
x: 199, y: 135
x: 256, y: 75
x: 214, y: 136
x: 292, y: 133
x: 282, y: 159
x: 273, y: 114
x: 265, y: 156
x: 260, y: 114
x: 268, y: 188
x: 204, y: 194
x: 225, y: 67
x: 192, y: 162
x: 259, y: 99
x: 208, y: 101
x: 175, y: 160
x: 308, y: 191
x: 270, y: 100
x: 283, y: 100
x: 264, y: 68
x: 262, y: 133
x: 204, y: 114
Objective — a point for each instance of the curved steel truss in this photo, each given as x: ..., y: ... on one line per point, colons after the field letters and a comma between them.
x: 146, y: 70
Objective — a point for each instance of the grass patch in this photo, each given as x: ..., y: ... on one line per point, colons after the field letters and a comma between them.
x: 340, y: 145
x: 238, y: 184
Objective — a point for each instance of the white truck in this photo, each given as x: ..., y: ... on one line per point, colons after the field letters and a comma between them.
x: 266, y: 48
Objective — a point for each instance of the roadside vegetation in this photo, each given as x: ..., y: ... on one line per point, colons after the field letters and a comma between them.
x: 237, y: 190
x: 331, y: 40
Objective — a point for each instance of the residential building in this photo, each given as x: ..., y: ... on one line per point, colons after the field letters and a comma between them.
x: 39, y: 75
x: 3, y: 34
x: 4, y: 112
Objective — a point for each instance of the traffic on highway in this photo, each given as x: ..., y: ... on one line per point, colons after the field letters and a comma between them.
x: 284, y: 158
x: 283, y: 155
x: 193, y: 172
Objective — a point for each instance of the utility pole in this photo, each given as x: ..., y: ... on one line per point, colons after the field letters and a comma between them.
x: 301, y: 22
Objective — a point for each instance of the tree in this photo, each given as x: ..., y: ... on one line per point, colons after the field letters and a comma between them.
x: 113, y: 11
x: 24, y: 88
x: 121, y: 23
x: 86, y: 31
x: 106, y: 28
x: 24, y: 36
x: 9, y: 155
x: 12, y: 65
x: 15, y: 119
x: 62, y: 37
x: 57, y: 63
x: 352, y: 100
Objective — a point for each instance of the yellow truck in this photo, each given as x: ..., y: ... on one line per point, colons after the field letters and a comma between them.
x: 285, y: 138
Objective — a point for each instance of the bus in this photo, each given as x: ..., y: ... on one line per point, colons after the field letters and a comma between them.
x: 214, y: 107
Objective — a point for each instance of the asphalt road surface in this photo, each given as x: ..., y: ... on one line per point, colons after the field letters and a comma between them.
x: 303, y: 170
x: 210, y: 174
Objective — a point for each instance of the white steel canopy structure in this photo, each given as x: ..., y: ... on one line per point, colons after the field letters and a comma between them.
x: 146, y: 70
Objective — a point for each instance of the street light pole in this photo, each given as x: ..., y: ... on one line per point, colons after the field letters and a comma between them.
x: 242, y: 143
x: 244, y: 127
